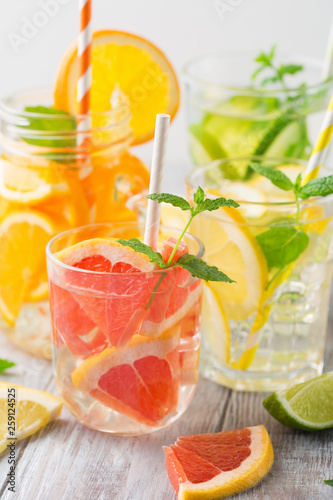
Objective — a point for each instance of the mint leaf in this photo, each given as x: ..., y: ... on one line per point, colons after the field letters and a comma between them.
x: 211, y: 205
x: 266, y: 61
x: 63, y: 123
x: 200, y: 269
x: 277, y: 178
x: 290, y: 69
x: 4, y: 364
x: 328, y: 481
x: 140, y: 247
x: 322, y: 186
x: 172, y: 199
x: 282, y: 245
x: 199, y: 195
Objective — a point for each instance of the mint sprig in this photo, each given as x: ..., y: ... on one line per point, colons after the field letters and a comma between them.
x: 323, y: 186
x: 4, y: 364
x: 329, y: 482
x: 276, y: 74
x: 197, y: 267
x: 283, y: 245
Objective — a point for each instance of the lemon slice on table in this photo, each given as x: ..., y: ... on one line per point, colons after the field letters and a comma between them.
x: 127, y: 63
x: 33, y: 410
x: 232, y: 247
x: 23, y: 238
x: 215, y: 325
x: 29, y: 182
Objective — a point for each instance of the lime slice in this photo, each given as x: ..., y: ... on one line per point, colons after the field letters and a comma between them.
x: 307, y: 406
x: 284, y: 138
x: 247, y: 126
x: 203, y: 146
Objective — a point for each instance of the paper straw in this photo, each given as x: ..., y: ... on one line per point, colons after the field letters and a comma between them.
x: 319, y: 151
x: 156, y: 179
x: 328, y: 61
x: 84, y: 56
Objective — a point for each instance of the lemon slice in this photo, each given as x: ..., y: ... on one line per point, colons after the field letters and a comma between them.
x: 232, y: 247
x: 30, y: 184
x: 173, y: 217
x: 241, y: 192
x: 273, y: 193
x: 23, y: 238
x: 215, y: 326
x: 33, y: 410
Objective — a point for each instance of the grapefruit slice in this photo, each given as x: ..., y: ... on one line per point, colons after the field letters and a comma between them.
x: 120, y: 305
x: 140, y: 380
x: 214, y: 466
x: 130, y: 64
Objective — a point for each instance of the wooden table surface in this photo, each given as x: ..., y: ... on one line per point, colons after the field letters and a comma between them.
x: 66, y: 461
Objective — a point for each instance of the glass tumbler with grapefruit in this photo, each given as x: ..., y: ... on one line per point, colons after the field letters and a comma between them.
x: 126, y: 332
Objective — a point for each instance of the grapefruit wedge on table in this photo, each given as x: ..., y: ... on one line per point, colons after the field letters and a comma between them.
x: 118, y: 305
x: 140, y: 380
x: 214, y: 466
x: 129, y: 63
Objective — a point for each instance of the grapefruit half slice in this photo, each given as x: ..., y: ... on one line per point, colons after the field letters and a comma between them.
x: 214, y: 466
x: 140, y: 381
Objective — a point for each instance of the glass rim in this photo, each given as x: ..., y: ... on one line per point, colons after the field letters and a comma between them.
x: 282, y: 161
x: 255, y: 90
x: 7, y: 109
x: 125, y: 225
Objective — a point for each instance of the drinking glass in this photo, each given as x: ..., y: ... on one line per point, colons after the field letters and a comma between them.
x: 126, y: 345
x: 53, y: 178
x: 267, y: 330
x: 230, y: 115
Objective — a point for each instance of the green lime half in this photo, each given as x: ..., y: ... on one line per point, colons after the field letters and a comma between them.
x: 307, y: 406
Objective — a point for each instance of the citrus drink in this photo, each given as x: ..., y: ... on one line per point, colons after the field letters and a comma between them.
x: 126, y: 333
x: 230, y: 115
x: 267, y: 329
x: 49, y: 184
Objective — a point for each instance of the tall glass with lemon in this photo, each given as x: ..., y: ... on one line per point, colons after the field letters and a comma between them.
x: 268, y: 328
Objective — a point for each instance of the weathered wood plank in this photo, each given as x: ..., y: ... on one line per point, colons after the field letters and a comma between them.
x: 68, y: 461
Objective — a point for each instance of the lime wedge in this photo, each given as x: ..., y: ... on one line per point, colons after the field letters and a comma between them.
x: 307, y: 406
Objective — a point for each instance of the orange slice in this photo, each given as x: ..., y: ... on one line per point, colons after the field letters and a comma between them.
x: 140, y: 380
x: 23, y: 238
x: 131, y: 64
x: 214, y: 466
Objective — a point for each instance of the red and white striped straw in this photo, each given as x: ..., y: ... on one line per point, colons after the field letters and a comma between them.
x: 85, y: 76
